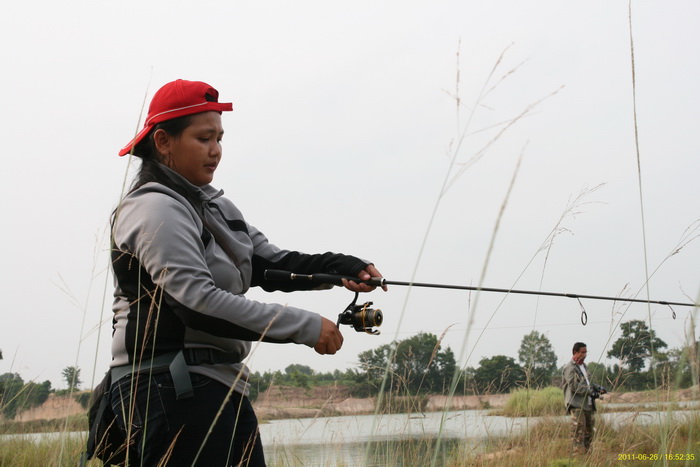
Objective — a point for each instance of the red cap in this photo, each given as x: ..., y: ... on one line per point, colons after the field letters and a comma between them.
x: 177, y: 99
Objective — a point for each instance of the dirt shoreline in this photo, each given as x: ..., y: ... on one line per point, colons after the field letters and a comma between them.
x: 295, y: 405
x: 286, y: 402
x: 327, y: 401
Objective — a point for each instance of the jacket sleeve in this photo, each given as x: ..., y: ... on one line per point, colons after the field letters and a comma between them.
x: 164, y: 234
x: 268, y: 256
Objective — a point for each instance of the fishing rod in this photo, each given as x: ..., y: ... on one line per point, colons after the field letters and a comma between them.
x: 333, y: 279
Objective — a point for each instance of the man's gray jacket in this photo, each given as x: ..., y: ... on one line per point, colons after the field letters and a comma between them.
x: 577, y: 392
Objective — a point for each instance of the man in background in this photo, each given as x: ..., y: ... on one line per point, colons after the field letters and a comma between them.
x: 579, y: 398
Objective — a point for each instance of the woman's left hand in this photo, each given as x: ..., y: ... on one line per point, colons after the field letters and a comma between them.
x: 367, y: 273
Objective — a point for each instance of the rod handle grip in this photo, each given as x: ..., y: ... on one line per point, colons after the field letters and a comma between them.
x: 334, y: 279
x: 278, y: 275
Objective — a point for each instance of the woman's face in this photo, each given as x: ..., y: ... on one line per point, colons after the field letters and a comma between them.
x: 196, y: 152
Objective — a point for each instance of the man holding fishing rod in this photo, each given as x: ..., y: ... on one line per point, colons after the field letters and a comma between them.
x: 579, y: 398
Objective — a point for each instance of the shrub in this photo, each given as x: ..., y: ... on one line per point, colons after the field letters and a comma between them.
x: 540, y: 402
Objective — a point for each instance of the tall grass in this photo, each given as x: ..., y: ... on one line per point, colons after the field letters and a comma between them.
x: 546, y: 443
x: 534, y: 403
x: 63, y: 449
x: 552, y: 445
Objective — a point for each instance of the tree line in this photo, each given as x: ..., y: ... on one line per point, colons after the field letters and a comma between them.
x: 421, y: 365
x: 17, y: 395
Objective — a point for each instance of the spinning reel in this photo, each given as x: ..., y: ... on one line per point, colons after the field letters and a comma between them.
x: 361, y: 317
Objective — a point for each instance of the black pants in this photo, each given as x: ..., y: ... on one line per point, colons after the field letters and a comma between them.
x: 170, y: 432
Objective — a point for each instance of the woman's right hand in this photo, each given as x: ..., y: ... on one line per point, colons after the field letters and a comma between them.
x: 331, y: 340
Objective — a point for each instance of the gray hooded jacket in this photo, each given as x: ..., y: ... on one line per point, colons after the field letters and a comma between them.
x: 176, y: 287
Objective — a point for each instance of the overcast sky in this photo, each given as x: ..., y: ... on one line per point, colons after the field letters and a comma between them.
x: 347, y: 116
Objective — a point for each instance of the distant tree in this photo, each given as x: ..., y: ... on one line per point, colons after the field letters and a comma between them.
x: 359, y: 384
x: 446, y: 366
x: 299, y: 375
x: 295, y: 367
x: 537, y: 359
x: 259, y: 383
x: 679, y: 367
x: 469, y: 380
x: 599, y: 374
x: 624, y: 379
x: 34, y: 394
x: 11, y: 385
x: 16, y: 395
x: 71, y: 375
x: 418, y: 365
x: 497, y: 374
x: 373, y: 362
x: 301, y: 380
x: 636, y: 345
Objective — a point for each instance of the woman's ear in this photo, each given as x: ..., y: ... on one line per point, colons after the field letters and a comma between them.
x: 162, y: 140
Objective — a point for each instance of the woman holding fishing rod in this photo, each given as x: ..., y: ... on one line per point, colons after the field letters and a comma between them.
x: 183, y: 258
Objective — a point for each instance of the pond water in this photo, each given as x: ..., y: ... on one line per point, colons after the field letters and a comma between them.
x: 344, y: 440
x: 398, y: 439
x: 353, y: 429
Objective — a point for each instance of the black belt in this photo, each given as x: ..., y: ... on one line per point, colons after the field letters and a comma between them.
x: 210, y: 356
x: 177, y: 363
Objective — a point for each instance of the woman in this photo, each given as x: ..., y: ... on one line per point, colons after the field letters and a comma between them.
x: 183, y: 258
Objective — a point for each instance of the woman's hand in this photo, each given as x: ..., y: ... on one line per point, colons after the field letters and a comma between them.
x: 367, y: 273
x: 331, y: 340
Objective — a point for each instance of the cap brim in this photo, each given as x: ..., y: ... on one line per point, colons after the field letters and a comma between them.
x: 137, y: 139
x: 206, y: 107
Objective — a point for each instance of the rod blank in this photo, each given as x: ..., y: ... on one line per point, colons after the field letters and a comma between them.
x: 277, y: 275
